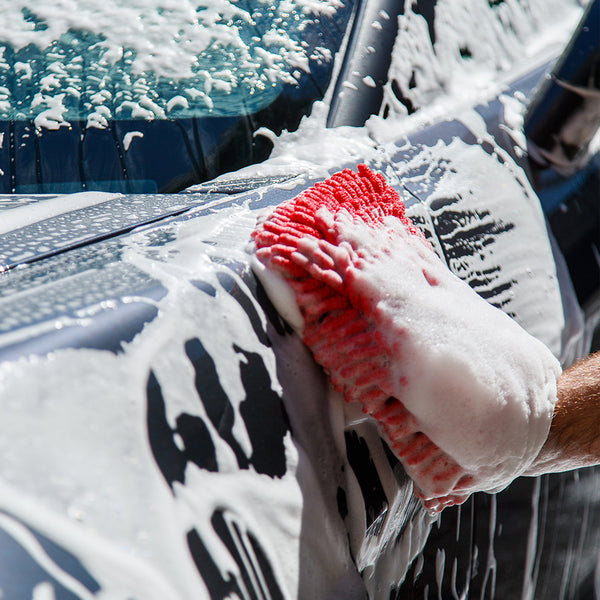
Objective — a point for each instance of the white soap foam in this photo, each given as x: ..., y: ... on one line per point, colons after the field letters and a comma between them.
x: 152, y: 56
x: 128, y: 138
x: 280, y: 292
x: 474, y: 45
x: 179, y: 30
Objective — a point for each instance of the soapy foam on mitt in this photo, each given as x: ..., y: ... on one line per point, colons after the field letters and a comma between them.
x: 462, y: 394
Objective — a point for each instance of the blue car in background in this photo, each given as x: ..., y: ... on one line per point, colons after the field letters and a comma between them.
x: 163, y: 432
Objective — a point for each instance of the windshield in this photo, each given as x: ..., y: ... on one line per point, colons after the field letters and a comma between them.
x: 115, y: 66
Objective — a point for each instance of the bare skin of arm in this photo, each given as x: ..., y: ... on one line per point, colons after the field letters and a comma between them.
x: 574, y: 438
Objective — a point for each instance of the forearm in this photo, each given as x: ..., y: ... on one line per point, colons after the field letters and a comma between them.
x: 574, y: 438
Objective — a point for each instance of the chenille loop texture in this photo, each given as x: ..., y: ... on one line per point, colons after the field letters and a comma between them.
x: 341, y: 337
x: 345, y: 327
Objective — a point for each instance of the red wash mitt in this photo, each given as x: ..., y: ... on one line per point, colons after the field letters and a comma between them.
x: 329, y: 243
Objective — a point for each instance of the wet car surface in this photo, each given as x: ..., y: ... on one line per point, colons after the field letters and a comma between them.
x: 166, y: 435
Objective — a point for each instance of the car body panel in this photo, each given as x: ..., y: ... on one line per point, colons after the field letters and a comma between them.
x: 165, y: 434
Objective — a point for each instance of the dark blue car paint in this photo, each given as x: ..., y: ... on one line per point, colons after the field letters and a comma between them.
x: 73, y: 271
